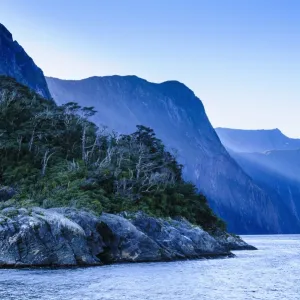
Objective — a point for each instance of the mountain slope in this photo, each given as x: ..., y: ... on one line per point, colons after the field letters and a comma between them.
x: 179, y: 119
x: 15, y: 62
x: 273, y: 175
x: 276, y: 170
x: 284, y: 162
x: 239, y: 140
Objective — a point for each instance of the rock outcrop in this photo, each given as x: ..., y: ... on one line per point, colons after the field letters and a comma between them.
x: 126, y: 243
x: 39, y: 237
x: 16, y: 63
x: 232, y: 241
x: 178, y: 239
x: 69, y: 237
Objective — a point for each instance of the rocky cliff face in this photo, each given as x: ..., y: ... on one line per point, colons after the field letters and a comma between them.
x: 15, y: 62
x: 68, y: 237
x: 179, y: 119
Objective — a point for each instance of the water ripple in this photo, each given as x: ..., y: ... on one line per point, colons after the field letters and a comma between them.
x: 271, y: 273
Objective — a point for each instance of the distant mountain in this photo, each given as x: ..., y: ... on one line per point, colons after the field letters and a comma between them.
x: 15, y: 62
x: 272, y: 160
x: 277, y: 172
x: 270, y: 149
x: 179, y: 119
x: 284, y: 162
x: 240, y: 140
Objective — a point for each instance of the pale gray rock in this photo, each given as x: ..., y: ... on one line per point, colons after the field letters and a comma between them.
x: 126, y: 243
x: 90, y: 224
x: 61, y: 237
x: 178, y: 238
x: 39, y: 237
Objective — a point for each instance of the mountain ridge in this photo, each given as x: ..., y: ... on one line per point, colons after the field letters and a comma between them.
x: 261, y: 140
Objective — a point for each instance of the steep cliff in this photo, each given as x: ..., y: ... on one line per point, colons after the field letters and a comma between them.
x: 15, y: 62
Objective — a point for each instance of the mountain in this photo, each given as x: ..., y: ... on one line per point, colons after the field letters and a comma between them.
x: 272, y: 160
x: 284, y: 162
x: 240, y: 140
x: 280, y: 180
x: 179, y: 119
x: 270, y: 149
x: 15, y: 62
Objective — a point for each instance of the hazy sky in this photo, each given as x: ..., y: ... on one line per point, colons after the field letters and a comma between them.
x: 240, y: 57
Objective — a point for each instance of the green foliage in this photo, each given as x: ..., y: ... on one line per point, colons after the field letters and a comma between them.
x: 54, y: 156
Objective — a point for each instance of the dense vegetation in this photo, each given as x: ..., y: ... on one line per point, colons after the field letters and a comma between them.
x: 53, y: 156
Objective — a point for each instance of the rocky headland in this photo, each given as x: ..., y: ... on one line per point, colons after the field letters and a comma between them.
x: 62, y: 237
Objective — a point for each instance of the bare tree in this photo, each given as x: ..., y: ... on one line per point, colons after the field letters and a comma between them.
x: 47, y: 155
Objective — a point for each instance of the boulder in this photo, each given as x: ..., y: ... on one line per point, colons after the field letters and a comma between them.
x: 126, y: 243
x: 90, y: 225
x: 6, y: 193
x: 178, y: 239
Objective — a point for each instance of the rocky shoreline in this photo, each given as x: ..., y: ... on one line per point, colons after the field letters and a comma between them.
x: 66, y: 237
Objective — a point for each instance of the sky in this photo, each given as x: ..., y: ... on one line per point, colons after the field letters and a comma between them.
x: 240, y: 57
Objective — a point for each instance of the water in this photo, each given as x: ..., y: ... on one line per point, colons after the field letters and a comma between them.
x: 273, y: 272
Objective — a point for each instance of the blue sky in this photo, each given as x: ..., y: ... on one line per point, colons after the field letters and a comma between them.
x: 240, y: 57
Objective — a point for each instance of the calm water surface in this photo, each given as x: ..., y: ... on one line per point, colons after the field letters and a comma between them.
x: 273, y: 272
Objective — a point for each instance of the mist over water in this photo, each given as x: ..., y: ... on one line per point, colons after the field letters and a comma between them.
x: 272, y: 272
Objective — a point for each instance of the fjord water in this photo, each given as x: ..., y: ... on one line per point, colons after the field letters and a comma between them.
x: 272, y: 272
